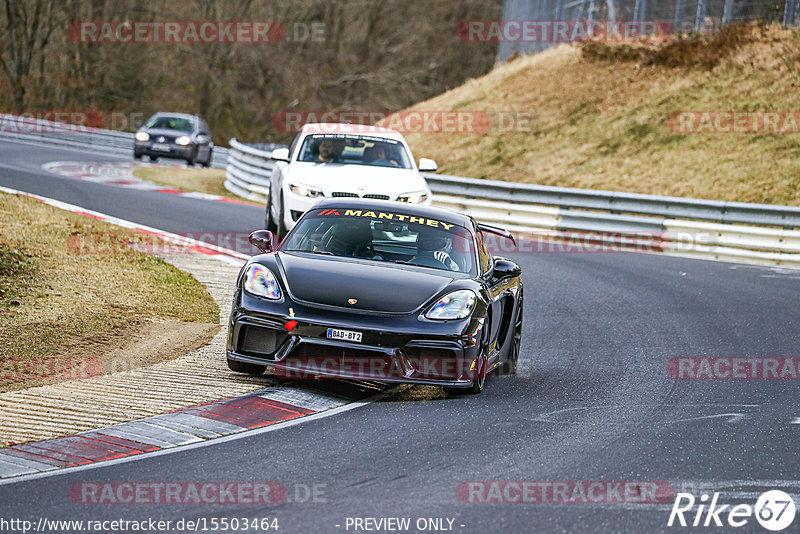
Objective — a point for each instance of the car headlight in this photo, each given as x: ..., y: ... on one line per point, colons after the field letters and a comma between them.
x: 183, y: 140
x: 142, y: 136
x: 415, y: 197
x: 455, y: 305
x: 305, y: 190
x: 260, y: 281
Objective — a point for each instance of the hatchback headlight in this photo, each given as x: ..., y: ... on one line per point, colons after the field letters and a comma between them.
x: 260, y: 281
x: 415, y: 197
x: 142, y: 136
x: 305, y: 190
x: 183, y: 140
x: 456, y: 305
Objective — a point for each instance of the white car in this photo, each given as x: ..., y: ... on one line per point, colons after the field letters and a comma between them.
x: 337, y: 160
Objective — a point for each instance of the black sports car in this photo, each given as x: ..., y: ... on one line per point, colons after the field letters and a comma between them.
x: 378, y: 290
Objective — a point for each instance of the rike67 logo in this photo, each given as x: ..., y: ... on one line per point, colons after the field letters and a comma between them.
x: 774, y: 510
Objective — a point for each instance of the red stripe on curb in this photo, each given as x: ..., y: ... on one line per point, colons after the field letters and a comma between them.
x: 35, y: 448
x: 15, y: 453
x: 248, y: 412
x: 78, y: 447
x: 170, y: 191
x: 135, y: 446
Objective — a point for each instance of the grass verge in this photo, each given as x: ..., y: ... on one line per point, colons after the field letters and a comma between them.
x: 74, y: 296
x: 602, y: 115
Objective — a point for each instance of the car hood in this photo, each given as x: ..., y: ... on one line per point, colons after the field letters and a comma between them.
x: 359, y: 179
x: 380, y: 288
x: 165, y: 132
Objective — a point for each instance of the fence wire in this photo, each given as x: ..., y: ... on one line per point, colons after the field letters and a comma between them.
x: 684, y: 15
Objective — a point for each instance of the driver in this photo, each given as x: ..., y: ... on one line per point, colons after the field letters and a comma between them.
x: 326, y: 152
x: 433, y: 250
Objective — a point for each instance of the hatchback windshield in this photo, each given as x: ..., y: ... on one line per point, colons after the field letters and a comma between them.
x: 162, y: 122
x: 354, y: 149
x: 385, y: 237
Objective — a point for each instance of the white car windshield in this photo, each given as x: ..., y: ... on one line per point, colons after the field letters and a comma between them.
x: 385, y: 237
x: 355, y: 150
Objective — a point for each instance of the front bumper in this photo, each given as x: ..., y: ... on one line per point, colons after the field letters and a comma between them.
x: 393, y: 349
x: 167, y: 150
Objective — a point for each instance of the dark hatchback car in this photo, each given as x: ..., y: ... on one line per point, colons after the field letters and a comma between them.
x: 174, y: 135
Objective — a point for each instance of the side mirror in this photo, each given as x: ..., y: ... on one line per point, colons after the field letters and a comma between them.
x: 427, y: 165
x: 504, y: 268
x: 262, y: 240
x: 281, y: 154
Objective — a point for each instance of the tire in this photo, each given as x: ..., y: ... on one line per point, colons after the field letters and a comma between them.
x: 153, y: 159
x: 248, y: 368
x: 269, y: 222
x: 479, y: 377
x: 137, y: 155
x: 280, y: 223
x: 207, y: 162
x: 478, y: 382
x: 510, y: 366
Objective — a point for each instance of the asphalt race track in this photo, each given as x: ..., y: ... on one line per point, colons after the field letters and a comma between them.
x: 592, y: 400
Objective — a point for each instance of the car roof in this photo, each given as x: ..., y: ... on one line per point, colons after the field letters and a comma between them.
x: 416, y: 210
x: 343, y: 128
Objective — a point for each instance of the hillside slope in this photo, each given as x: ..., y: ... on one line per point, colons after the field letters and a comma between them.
x: 602, y: 115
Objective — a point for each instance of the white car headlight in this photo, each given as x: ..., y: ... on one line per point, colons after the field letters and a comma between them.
x: 305, y: 190
x: 142, y: 136
x: 183, y: 140
x: 455, y: 305
x: 260, y: 281
x: 415, y: 197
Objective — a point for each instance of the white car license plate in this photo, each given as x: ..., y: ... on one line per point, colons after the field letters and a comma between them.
x: 161, y: 147
x: 344, y: 335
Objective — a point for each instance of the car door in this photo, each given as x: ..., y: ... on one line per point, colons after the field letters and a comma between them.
x: 203, y: 141
x: 495, y: 290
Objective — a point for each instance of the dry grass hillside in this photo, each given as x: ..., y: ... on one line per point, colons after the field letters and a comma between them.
x: 602, y: 118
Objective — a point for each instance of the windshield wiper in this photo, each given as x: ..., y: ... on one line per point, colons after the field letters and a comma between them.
x: 325, y: 252
x: 406, y: 262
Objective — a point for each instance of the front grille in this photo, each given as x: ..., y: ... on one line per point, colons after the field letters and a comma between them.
x: 259, y: 341
x: 377, y: 197
x: 342, y: 361
x: 343, y: 194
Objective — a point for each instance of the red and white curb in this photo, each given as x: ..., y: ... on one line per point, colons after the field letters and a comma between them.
x: 120, y: 174
x: 196, y: 426
x: 202, y: 425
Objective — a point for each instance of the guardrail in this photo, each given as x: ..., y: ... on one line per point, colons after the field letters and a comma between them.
x: 707, y: 229
x: 50, y: 133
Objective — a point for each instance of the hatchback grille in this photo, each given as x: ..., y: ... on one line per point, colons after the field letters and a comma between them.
x: 342, y: 194
x: 377, y: 197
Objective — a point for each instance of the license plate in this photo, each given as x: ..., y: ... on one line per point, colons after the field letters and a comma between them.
x: 344, y: 335
x: 160, y: 147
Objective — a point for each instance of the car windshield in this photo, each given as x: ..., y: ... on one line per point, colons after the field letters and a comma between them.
x: 163, y: 122
x: 355, y: 149
x: 384, y: 236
